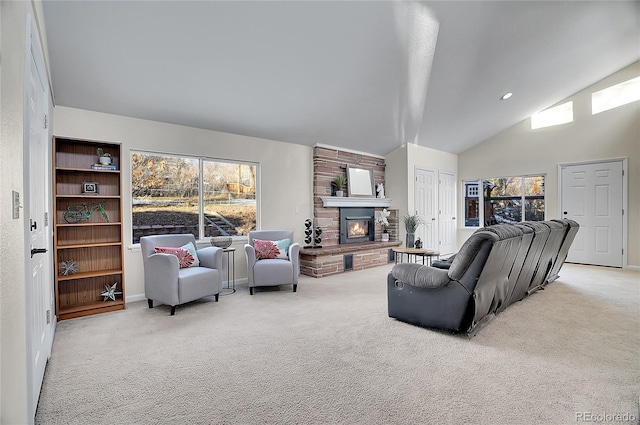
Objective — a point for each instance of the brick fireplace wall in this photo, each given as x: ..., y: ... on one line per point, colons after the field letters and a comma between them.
x: 327, y: 164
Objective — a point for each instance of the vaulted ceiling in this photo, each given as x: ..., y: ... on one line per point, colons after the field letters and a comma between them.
x: 363, y: 75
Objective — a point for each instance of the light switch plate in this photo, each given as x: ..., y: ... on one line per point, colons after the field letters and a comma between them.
x: 16, y: 204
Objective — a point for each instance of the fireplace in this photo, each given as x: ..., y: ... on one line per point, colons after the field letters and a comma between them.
x: 357, y: 225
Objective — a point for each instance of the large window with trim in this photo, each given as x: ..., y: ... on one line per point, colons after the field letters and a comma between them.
x: 182, y: 194
x: 504, y: 200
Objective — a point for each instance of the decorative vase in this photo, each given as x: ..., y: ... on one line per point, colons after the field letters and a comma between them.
x: 308, y: 231
x: 385, y: 237
x: 339, y: 193
x: 410, y: 240
x: 105, y: 160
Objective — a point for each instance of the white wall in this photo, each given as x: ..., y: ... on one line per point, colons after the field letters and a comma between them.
x: 395, y: 186
x: 286, y: 171
x: 418, y: 156
x: 400, y: 174
x: 13, y: 325
x: 520, y: 150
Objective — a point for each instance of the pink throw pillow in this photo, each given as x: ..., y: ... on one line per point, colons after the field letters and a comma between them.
x: 265, y: 249
x: 185, y: 259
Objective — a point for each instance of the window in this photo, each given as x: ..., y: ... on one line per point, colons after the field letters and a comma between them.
x: 504, y: 200
x: 614, y: 96
x: 556, y: 115
x: 472, y: 204
x: 181, y: 194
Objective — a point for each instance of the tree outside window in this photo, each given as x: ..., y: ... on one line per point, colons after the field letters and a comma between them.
x: 504, y: 200
x: 180, y: 194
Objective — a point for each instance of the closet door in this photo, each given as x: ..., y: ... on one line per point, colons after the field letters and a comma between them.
x: 425, y: 206
x: 446, y: 212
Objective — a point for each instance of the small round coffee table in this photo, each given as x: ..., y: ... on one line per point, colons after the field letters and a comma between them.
x: 400, y: 252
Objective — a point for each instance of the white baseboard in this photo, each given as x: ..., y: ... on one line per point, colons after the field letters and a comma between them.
x: 637, y: 268
x: 134, y: 298
x: 243, y: 281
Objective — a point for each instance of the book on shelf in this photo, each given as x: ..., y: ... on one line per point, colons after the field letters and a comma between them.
x: 103, y: 167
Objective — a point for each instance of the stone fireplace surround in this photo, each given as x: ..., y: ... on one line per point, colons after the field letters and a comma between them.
x: 330, y: 259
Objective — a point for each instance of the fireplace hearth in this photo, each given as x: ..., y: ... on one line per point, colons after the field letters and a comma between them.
x: 357, y: 225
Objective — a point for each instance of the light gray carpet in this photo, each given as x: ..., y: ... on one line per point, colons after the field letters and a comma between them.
x: 330, y: 354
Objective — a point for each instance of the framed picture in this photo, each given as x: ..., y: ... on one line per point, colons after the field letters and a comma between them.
x: 90, y: 188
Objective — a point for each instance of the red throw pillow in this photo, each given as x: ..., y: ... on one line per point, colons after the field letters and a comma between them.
x: 265, y: 249
x: 185, y: 259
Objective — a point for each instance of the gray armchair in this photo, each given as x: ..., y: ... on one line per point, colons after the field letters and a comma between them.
x: 272, y: 272
x: 167, y: 283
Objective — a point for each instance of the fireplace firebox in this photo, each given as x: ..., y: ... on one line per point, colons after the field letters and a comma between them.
x: 357, y: 225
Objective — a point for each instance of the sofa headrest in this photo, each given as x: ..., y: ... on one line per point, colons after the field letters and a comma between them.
x: 468, y: 251
x: 537, y: 226
x: 554, y: 225
x: 524, y: 229
x: 504, y: 231
x: 566, y: 222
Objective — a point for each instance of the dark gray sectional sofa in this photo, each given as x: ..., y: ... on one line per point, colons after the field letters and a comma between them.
x: 497, y: 266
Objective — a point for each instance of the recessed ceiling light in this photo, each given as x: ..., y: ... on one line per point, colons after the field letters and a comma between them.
x: 506, y: 96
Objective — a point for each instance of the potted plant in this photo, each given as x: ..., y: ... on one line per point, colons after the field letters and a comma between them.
x: 383, y: 219
x: 339, y: 181
x: 411, y: 223
x: 104, y: 158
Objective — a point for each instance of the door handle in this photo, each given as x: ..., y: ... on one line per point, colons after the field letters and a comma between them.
x: 565, y: 213
x: 453, y: 218
x: 37, y: 251
x: 34, y: 225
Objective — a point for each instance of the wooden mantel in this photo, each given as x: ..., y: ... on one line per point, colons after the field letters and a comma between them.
x: 340, y: 201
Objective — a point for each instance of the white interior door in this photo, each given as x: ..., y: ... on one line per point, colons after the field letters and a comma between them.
x: 447, y: 212
x: 39, y: 280
x: 425, y: 205
x: 592, y: 196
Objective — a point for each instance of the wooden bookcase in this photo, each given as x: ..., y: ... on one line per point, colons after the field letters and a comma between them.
x: 93, y: 243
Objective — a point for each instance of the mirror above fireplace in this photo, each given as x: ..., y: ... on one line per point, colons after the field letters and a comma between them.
x: 360, y: 182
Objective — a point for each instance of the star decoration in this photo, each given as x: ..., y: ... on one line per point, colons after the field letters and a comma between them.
x: 110, y: 292
x: 68, y: 268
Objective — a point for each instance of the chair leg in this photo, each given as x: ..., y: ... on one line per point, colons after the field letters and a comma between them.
x: 295, y: 288
x: 251, y: 290
x: 216, y: 297
x: 173, y: 310
x: 150, y: 303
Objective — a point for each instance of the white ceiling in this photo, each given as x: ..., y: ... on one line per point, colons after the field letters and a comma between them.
x: 363, y: 75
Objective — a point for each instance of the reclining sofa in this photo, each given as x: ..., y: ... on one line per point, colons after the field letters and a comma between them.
x: 497, y: 266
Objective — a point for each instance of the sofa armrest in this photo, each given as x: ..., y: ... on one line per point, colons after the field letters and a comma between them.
x: 420, y: 276
x: 294, y: 257
x: 211, y: 257
x: 250, y: 253
x: 161, y: 278
x: 443, y: 264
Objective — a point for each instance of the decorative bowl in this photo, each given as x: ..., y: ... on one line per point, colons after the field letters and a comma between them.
x: 221, y: 241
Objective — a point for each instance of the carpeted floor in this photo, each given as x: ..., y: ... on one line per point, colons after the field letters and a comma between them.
x: 329, y: 354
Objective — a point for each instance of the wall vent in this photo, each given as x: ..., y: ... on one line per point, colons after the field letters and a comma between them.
x: 348, y: 262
